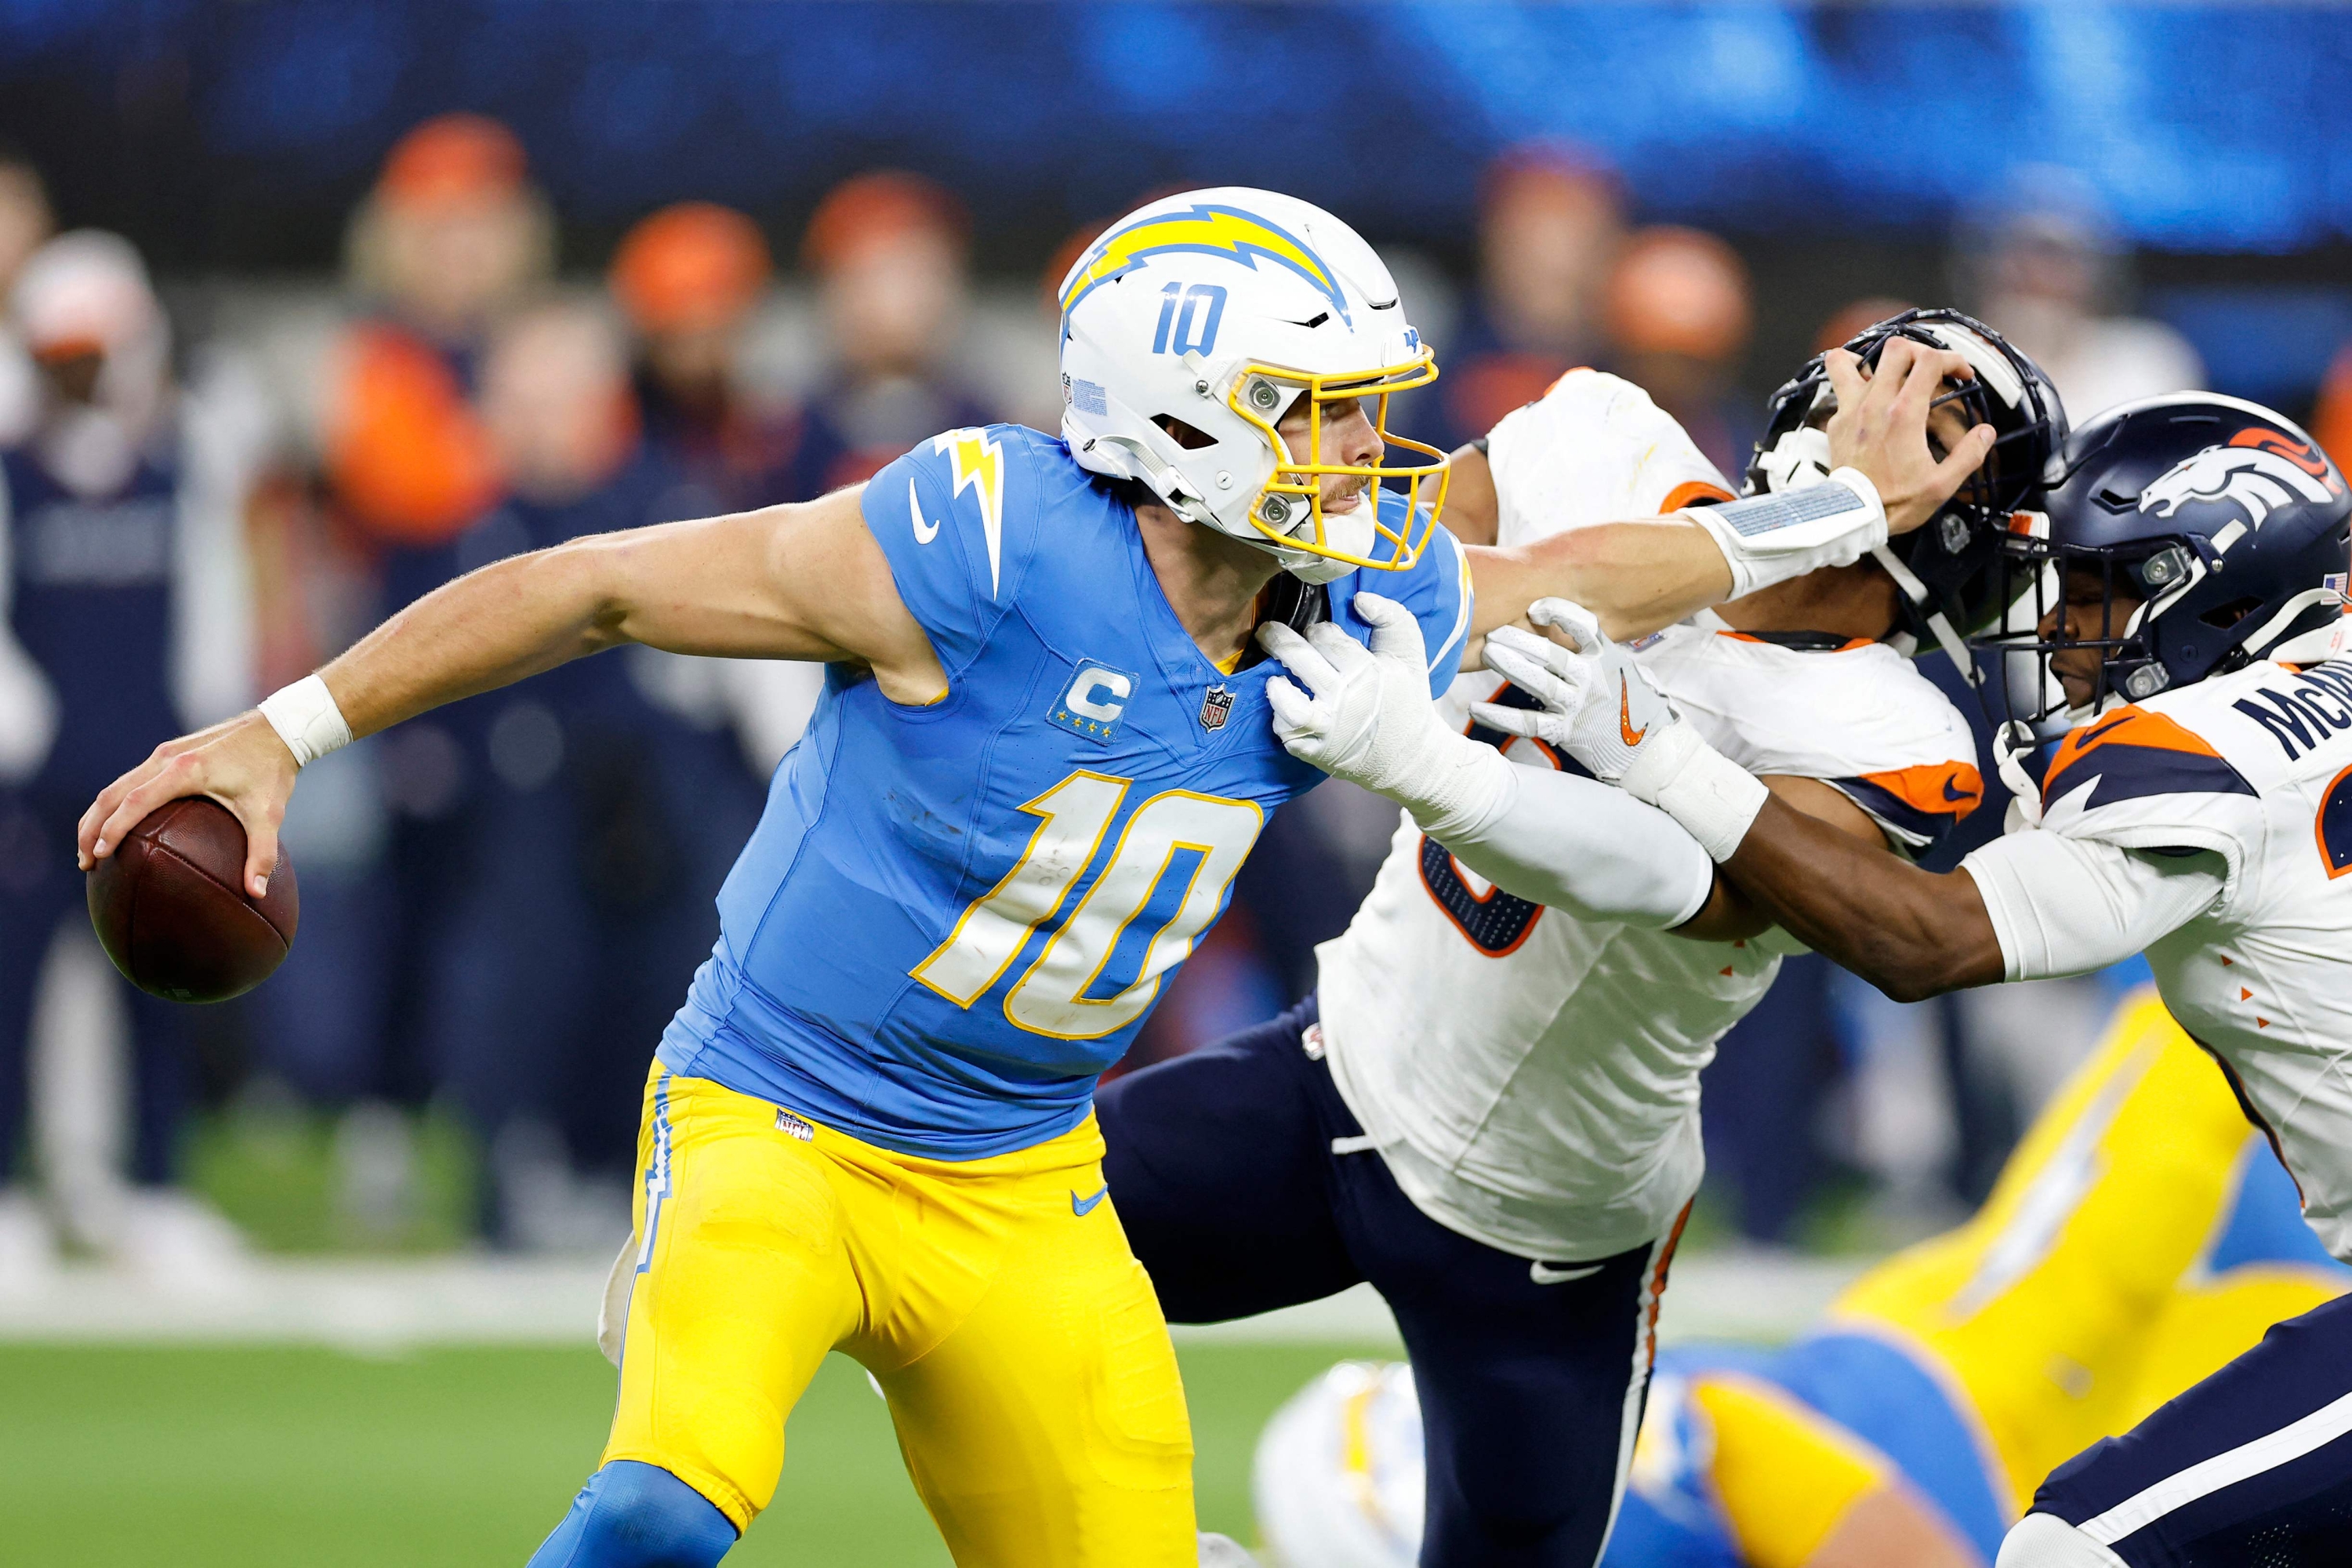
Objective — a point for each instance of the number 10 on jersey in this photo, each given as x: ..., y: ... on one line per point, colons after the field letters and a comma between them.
x: 1178, y: 842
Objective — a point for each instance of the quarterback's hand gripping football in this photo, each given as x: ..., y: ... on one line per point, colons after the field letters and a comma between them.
x: 241, y: 762
x: 1365, y: 715
x: 1598, y: 706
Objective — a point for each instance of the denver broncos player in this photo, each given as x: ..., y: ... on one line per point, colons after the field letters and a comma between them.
x: 2140, y: 1235
x: 2199, y: 808
x: 1489, y: 1108
x: 1036, y: 766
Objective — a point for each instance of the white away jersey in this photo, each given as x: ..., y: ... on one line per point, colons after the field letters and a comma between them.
x: 1532, y: 1078
x: 2255, y: 767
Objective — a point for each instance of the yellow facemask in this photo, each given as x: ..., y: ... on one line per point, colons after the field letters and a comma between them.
x: 1296, y: 487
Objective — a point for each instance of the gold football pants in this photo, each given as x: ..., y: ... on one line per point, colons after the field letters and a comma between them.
x: 1019, y: 1343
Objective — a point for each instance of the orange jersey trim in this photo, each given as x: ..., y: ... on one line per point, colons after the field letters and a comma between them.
x: 1690, y: 491
x: 1846, y: 647
x: 1938, y: 789
x: 2130, y: 726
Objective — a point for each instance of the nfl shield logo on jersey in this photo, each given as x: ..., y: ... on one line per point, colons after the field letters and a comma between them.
x: 1217, y: 707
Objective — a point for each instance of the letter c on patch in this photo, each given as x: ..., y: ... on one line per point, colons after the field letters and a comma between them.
x: 1092, y: 680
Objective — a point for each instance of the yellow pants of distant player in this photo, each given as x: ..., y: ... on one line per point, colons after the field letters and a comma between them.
x: 2060, y: 1309
x: 1018, y: 1341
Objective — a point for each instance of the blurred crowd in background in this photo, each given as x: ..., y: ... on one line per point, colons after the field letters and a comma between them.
x: 502, y: 902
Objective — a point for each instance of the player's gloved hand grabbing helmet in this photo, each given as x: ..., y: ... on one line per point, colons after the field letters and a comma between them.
x: 1194, y: 324
x: 1946, y: 570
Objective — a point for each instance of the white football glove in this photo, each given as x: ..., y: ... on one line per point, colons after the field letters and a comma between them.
x: 1598, y: 706
x: 1601, y: 708
x: 1366, y: 716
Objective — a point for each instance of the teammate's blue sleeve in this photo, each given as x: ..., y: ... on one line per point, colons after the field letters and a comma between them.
x: 1436, y: 590
x: 957, y: 519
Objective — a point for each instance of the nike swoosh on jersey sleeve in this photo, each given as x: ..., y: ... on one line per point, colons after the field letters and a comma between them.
x: 1922, y: 803
x: 956, y: 518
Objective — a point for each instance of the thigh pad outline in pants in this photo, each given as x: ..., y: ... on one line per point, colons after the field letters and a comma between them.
x: 1048, y: 1428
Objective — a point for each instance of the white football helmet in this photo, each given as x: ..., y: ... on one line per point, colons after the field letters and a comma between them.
x: 1194, y: 324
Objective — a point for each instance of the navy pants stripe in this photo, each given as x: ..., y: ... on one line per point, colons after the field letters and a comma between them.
x: 2252, y: 1466
x: 1222, y: 1167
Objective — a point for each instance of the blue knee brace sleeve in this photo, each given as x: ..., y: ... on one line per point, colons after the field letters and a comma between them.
x: 633, y: 1515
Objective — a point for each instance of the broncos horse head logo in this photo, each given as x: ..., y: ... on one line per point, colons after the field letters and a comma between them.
x: 2260, y: 470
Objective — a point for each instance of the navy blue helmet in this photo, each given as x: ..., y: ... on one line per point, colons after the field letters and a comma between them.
x: 1948, y: 569
x: 2222, y: 518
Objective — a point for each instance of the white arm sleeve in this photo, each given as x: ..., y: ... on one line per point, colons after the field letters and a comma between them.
x: 1584, y: 846
x: 2068, y: 906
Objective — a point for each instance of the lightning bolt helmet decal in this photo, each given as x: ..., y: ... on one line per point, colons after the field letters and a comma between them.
x: 1206, y: 230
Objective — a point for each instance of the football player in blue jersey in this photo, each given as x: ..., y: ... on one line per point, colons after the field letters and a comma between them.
x: 1040, y: 756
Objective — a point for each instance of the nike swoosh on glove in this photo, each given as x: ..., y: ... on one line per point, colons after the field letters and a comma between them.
x: 1598, y: 706
x: 1365, y: 715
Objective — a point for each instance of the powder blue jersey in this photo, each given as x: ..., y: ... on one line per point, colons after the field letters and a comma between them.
x: 953, y: 917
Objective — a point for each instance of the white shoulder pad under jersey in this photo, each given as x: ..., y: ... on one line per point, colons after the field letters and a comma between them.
x: 1592, y: 448
x: 1866, y: 721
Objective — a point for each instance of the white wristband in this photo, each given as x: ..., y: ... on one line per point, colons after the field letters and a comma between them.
x: 1770, y: 539
x: 1713, y: 798
x: 306, y: 718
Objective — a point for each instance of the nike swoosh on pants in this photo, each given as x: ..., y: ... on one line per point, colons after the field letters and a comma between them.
x: 1084, y: 1207
x: 1545, y: 1274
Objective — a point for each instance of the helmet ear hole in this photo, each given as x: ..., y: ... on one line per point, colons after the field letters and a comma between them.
x: 1191, y: 437
x: 2221, y: 617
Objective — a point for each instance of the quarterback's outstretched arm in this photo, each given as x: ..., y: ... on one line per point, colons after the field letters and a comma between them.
x: 1646, y: 574
x: 805, y: 582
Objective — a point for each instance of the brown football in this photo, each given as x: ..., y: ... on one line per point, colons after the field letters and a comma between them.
x: 169, y: 912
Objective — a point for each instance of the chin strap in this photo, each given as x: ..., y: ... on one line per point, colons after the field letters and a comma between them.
x: 1937, y: 623
x: 2013, y: 742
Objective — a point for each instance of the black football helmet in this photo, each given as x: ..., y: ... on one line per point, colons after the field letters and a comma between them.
x: 1947, y: 568
x: 2223, y: 518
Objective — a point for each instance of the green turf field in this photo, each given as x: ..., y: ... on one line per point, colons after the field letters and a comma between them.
x: 262, y: 1458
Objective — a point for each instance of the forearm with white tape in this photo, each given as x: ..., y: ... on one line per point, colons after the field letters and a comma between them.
x: 1772, y: 539
x: 1577, y: 845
